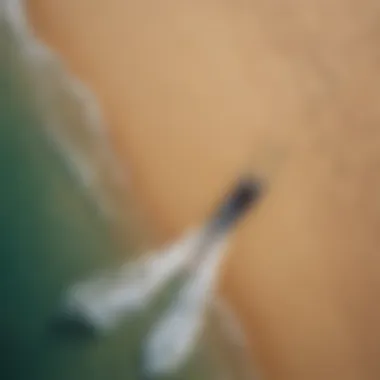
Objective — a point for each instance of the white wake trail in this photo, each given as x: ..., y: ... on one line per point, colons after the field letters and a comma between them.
x: 104, y: 301
x: 175, y: 335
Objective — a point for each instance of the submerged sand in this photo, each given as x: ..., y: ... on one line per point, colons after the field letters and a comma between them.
x: 197, y: 92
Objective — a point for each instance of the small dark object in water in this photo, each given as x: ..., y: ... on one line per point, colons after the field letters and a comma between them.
x: 73, y: 326
x: 245, y: 194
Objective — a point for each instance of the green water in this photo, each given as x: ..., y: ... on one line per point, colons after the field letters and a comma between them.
x: 50, y: 236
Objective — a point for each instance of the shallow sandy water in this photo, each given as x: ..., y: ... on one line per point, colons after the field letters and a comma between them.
x: 196, y: 92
